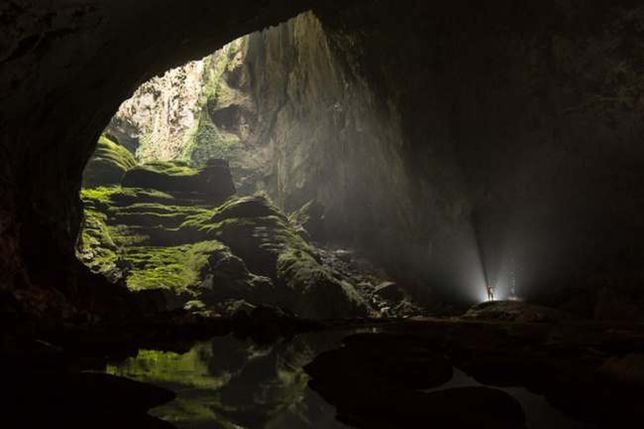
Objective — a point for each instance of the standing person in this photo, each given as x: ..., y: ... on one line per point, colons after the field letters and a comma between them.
x: 490, y: 292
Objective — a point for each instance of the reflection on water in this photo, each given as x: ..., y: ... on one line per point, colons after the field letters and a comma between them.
x: 538, y: 412
x: 232, y: 383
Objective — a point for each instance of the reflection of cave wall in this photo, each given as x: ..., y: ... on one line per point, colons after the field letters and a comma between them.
x: 528, y: 113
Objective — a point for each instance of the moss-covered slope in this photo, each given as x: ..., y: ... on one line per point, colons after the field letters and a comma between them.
x: 206, y: 255
x: 212, y: 183
x: 109, y: 164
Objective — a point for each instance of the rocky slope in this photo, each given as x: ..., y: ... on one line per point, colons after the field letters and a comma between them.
x: 519, y: 122
x: 179, y: 230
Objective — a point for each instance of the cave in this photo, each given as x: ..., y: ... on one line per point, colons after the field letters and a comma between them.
x: 363, y: 213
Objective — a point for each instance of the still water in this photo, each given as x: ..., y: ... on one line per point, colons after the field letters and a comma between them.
x: 233, y: 383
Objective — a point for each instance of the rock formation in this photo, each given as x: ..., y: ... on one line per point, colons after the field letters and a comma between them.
x: 179, y: 230
x: 526, y: 125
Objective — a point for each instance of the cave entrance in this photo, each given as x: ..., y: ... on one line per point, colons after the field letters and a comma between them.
x: 194, y: 190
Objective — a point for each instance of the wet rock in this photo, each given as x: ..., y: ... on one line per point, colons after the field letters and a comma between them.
x: 375, y: 381
x: 266, y: 324
x: 407, y: 363
x: 472, y: 407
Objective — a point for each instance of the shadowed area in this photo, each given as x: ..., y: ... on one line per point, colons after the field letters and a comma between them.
x: 459, y: 183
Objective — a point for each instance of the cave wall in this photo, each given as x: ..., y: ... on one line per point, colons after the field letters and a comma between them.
x: 529, y: 111
x: 514, y: 126
x: 65, y: 67
x: 466, y: 142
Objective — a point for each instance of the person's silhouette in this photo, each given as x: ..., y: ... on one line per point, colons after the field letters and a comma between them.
x: 490, y: 292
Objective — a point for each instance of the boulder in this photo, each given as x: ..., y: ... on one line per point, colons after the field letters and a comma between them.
x: 108, y: 165
x: 375, y: 381
x: 212, y: 183
x: 390, y: 291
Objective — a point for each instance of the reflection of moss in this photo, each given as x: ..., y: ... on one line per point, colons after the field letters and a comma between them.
x: 189, y: 369
x: 190, y: 375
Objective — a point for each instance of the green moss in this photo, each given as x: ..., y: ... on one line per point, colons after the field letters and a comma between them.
x: 210, y: 142
x: 228, y: 252
x: 127, y: 236
x: 106, y: 197
x: 176, y: 268
x: 161, y: 209
x: 126, y: 196
x: 319, y: 291
x: 95, y: 245
x: 256, y: 211
x: 114, y: 152
x: 170, y: 168
x: 108, y: 164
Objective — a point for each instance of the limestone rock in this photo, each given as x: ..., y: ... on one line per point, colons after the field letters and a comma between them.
x: 108, y: 165
x: 213, y: 182
x: 390, y: 291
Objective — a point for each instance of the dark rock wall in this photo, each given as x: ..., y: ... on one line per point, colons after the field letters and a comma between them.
x: 462, y: 140
x: 327, y: 137
x: 531, y: 113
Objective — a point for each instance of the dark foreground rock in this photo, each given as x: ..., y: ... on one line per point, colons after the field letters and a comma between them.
x: 75, y: 399
x: 376, y: 381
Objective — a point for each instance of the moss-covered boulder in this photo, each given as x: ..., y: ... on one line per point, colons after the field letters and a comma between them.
x: 318, y: 292
x: 270, y: 245
x: 244, y: 249
x: 108, y: 165
x: 212, y: 183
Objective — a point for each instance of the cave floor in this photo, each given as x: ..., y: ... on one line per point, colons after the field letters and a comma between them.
x: 380, y: 374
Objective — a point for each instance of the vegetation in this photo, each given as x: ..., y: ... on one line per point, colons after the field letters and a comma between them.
x: 95, y: 246
x: 210, y: 142
x: 175, y: 268
x: 321, y: 292
x: 170, y: 168
x: 106, y: 197
x: 244, y: 248
x: 109, y: 163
